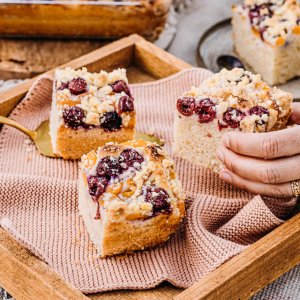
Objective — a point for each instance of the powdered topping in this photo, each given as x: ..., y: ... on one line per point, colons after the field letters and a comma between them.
x: 238, y: 99
x: 273, y: 20
x: 139, y: 179
x: 104, y: 98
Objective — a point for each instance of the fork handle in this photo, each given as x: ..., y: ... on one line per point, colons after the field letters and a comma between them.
x: 32, y: 134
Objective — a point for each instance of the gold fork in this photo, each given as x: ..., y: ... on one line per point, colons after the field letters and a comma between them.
x: 42, y: 140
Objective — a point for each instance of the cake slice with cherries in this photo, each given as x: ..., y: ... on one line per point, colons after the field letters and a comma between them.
x: 235, y: 100
x: 89, y: 110
x: 129, y: 197
x: 267, y: 37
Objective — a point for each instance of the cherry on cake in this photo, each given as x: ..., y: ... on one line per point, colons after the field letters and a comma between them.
x: 129, y: 197
x: 89, y: 110
x: 235, y: 100
x: 267, y: 37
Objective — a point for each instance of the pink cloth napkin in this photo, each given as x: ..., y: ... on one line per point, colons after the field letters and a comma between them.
x: 38, y: 203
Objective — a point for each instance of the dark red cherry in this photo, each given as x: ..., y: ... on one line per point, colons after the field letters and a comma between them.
x: 233, y: 117
x: 121, y: 86
x: 73, y: 116
x: 129, y: 157
x: 77, y: 86
x: 111, y: 121
x: 206, y: 110
x: 221, y: 126
x: 109, y: 166
x: 63, y: 85
x: 186, y: 105
x: 255, y: 12
x: 259, y: 111
x: 126, y: 104
x: 97, y: 186
x: 159, y: 199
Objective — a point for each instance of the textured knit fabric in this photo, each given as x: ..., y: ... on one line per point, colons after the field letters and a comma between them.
x: 38, y: 203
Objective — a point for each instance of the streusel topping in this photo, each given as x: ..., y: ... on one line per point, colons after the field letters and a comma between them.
x: 135, y: 179
x: 87, y: 99
x: 273, y: 20
x: 237, y: 99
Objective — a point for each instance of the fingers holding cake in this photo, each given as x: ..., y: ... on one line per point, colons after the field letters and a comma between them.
x: 282, y: 190
x: 274, y: 171
x: 236, y: 125
x: 264, y: 163
x: 237, y: 109
x: 264, y: 145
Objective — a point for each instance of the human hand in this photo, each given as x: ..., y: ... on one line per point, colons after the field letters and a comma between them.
x: 263, y: 163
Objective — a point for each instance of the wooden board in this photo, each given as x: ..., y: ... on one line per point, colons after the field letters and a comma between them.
x: 23, y: 58
x: 26, y: 277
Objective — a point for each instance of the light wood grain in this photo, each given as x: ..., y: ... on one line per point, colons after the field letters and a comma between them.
x: 136, y: 75
x: 27, y: 277
x: 164, y: 291
x: 156, y: 61
x: 23, y: 58
x: 24, y: 275
x: 244, y: 275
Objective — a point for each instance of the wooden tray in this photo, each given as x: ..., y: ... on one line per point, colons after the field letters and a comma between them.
x: 26, y: 277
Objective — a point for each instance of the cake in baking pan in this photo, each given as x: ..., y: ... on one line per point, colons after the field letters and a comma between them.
x: 84, y: 18
x: 267, y: 37
x: 89, y: 110
x: 129, y: 197
x: 235, y: 100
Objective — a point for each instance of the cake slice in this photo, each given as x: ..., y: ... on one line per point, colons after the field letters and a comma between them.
x: 235, y: 100
x: 129, y: 197
x: 89, y: 110
x: 267, y: 37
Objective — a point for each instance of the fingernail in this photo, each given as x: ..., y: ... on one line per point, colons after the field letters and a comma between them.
x: 225, y: 140
x: 224, y: 175
x: 220, y: 155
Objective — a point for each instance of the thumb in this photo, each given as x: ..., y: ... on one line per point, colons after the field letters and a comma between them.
x: 295, y: 117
